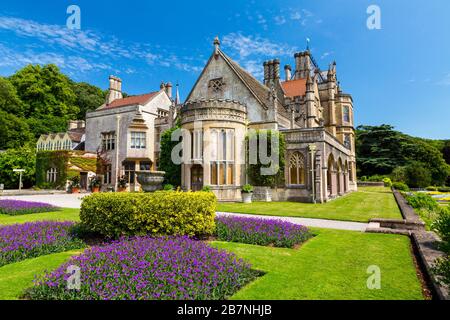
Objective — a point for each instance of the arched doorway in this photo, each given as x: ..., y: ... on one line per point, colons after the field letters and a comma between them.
x: 196, y: 177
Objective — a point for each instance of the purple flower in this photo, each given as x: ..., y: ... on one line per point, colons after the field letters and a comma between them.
x: 149, y: 268
x: 261, y: 231
x: 16, y: 207
x: 23, y: 241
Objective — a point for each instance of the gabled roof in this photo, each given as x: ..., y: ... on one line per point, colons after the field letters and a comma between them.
x: 259, y: 90
x: 294, y: 88
x: 130, y: 101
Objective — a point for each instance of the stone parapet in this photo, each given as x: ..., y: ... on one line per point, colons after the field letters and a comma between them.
x: 214, y: 110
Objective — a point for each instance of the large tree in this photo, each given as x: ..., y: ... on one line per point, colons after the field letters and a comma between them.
x: 45, y: 91
x: 88, y: 97
x: 9, y: 100
x: 381, y: 149
x: 14, y: 131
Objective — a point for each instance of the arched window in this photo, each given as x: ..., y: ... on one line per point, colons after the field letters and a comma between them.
x: 297, y: 169
x: 346, y: 114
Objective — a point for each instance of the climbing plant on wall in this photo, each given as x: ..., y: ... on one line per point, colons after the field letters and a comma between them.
x: 275, y: 150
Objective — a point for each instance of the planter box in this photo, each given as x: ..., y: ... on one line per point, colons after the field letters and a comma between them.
x: 247, y: 197
x: 262, y: 194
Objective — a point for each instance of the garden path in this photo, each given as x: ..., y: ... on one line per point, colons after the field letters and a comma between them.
x: 74, y: 201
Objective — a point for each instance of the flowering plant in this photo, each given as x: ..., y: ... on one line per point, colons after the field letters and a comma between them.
x: 33, y: 239
x: 17, y: 207
x: 261, y: 231
x: 148, y: 268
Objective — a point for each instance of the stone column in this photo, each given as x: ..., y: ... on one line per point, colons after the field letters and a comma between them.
x: 334, y: 189
x: 341, y: 183
x: 325, y: 184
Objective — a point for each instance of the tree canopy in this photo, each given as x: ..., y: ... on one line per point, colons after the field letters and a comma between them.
x: 380, y: 150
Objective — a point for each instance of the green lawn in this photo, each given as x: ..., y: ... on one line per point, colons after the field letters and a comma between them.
x: 332, y: 265
x: 366, y: 203
x: 16, y: 277
x: 64, y: 214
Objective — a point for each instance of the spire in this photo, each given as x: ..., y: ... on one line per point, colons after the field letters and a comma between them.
x: 177, y: 97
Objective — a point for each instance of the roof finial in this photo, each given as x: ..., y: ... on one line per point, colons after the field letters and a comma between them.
x: 216, y: 46
x: 307, y: 43
x: 177, y: 97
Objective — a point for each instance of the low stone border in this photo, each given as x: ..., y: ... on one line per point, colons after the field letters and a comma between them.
x: 424, y: 243
x: 425, y: 247
x: 400, y: 224
x: 406, y: 210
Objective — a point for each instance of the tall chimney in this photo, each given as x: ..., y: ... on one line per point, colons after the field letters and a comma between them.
x: 115, y: 89
x: 169, y: 89
x: 266, y: 72
x: 287, y: 71
x: 276, y: 69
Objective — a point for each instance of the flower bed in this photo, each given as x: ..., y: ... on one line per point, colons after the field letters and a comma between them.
x: 16, y: 207
x: 261, y: 231
x: 148, y: 268
x: 33, y: 239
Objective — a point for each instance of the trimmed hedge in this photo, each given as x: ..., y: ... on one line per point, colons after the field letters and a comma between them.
x: 401, y: 186
x: 158, y: 213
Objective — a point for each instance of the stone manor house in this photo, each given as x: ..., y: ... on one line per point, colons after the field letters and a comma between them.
x: 307, y: 106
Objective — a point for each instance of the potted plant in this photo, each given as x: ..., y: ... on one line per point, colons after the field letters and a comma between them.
x: 247, y: 192
x: 95, y: 184
x: 75, y: 184
x: 122, y: 184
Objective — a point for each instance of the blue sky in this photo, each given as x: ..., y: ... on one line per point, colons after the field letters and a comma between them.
x: 398, y: 75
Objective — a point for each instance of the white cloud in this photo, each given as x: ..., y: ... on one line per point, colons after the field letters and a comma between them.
x: 326, y: 54
x: 255, y: 45
x: 80, y: 49
x: 12, y: 58
x: 296, y: 16
x: 280, y: 20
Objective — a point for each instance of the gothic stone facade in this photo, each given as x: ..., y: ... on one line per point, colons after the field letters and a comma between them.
x: 125, y: 132
x: 308, y: 107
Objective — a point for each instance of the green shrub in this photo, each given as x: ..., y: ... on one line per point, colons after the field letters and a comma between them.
x: 387, y: 182
x: 206, y: 189
x: 442, y: 226
x: 401, y: 186
x: 417, y: 175
x: 168, y: 187
x: 431, y: 188
x: 159, y: 213
x: 422, y: 201
x: 247, y: 188
x: 443, y: 189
